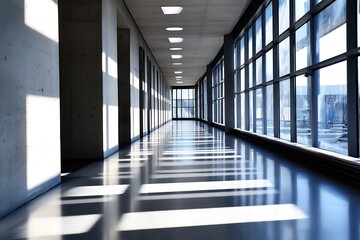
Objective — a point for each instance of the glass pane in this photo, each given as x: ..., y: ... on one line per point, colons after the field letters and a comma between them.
x: 250, y: 44
x: 283, y: 15
x: 285, y: 109
x: 269, y: 111
x: 243, y: 115
x: 269, y: 24
x: 332, y: 108
x: 259, y: 71
x: 259, y: 111
x: 301, y: 7
x: 251, y: 113
x: 269, y: 65
x: 174, y: 93
x: 242, y: 79
x: 237, y: 112
x: 258, y: 29
x: 303, y: 110
x: 191, y: 93
x: 242, y: 51
x: 302, y: 36
x: 330, y: 29
x: 179, y: 113
x: 174, y: 113
x: 178, y: 94
x: 284, y: 57
x: 251, y: 80
x: 185, y: 103
x: 178, y: 103
x: 185, y: 94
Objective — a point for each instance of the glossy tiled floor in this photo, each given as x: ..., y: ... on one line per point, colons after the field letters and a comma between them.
x: 188, y: 181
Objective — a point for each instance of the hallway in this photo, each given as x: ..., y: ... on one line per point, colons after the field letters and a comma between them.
x: 190, y: 181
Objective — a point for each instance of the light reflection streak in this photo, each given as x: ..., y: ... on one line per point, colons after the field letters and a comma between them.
x: 193, y: 170
x: 83, y: 191
x: 208, y: 216
x: 197, y: 175
x: 207, y: 194
x: 203, y: 186
x: 198, y: 163
x: 201, y: 157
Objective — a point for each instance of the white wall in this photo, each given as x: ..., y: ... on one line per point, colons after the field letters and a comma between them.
x: 29, y: 100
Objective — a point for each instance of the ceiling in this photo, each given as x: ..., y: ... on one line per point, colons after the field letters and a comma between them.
x: 204, y: 23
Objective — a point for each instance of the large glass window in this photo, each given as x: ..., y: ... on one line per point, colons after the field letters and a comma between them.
x: 285, y: 110
x: 284, y: 11
x: 251, y: 111
x: 218, y: 90
x: 269, y: 111
x: 259, y: 110
x: 332, y: 108
x: 301, y: 7
x: 259, y: 71
x: 184, y: 103
x: 258, y: 29
x: 269, y: 65
x: 330, y: 26
x: 284, y: 57
x: 269, y: 24
x: 303, y: 110
x: 302, y: 36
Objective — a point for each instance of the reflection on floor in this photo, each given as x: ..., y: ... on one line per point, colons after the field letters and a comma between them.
x: 189, y: 181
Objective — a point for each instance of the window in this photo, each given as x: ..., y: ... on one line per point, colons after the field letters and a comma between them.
x: 258, y: 28
x: 259, y: 110
x: 269, y: 111
x: 268, y: 24
x: 284, y: 57
x: 285, y: 110
x: 301, y: 7
x: 251, y: 112
x: 218, y: 93
x: 302, y: 36
x: 269, y: 65
x: 259, y: 71
x: 330, y: 28
x: 284, y: 6
x: 332, y: 108
x: 184, y: 103
x: 303, y: 110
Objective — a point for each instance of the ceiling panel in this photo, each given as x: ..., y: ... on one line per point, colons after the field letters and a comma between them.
x: 205, y: 22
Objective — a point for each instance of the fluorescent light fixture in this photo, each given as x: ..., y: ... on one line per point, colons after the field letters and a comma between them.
x: 168, y: 10
x: 174, y: 29
x: 179, y: 82
x: 176, y: 56
x: 178, y: 72
x: 176, y: 49
x: 177, y: 63
x: 178, y: 77
x: 176, y: 39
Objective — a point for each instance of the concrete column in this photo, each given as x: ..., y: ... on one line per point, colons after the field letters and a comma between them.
x: 209, y: 93
x: 124, y: 86
x: 81, y: 78
x: 229, y: 82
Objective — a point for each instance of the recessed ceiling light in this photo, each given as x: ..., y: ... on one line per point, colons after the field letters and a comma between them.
x: 176, y: 56
x: 175, y: 39
x: 175, y: 49
x: 178, y: 77
x: 177, y: 63
x: 179, y: 82
x: 174, y: 29
x: 178, y: 72
x: 171, y: 10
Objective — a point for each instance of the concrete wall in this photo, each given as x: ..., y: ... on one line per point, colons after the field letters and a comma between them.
x: 29, y: 100
x: 110, y: 77
x: 81, y: 78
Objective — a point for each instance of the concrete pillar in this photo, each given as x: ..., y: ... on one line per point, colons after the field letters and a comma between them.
x: 124, y: 86
x: 229, y: 82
